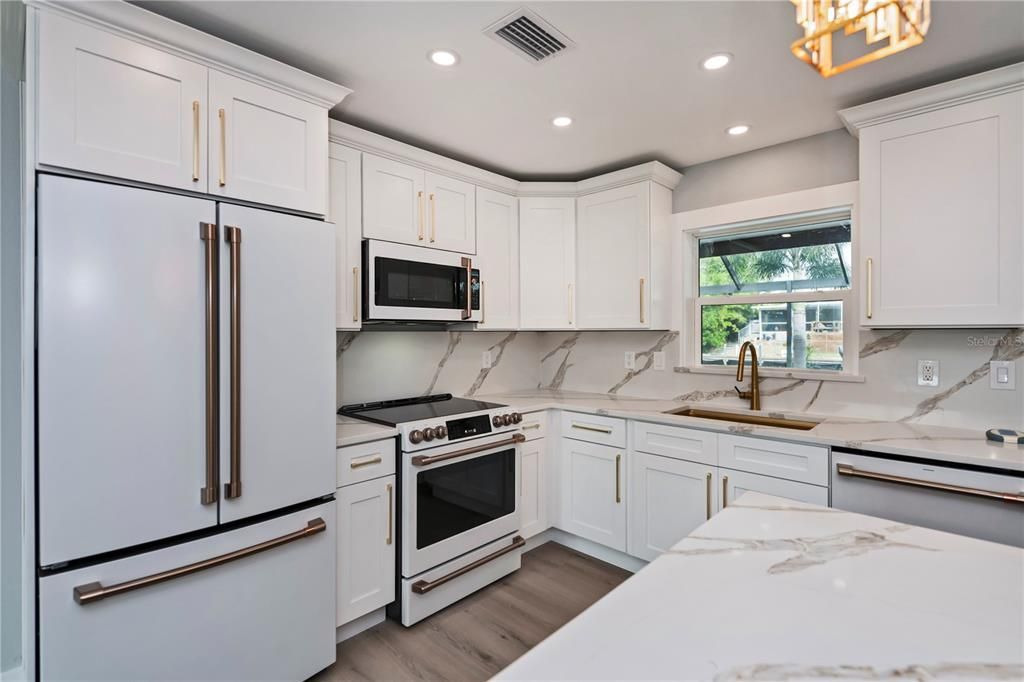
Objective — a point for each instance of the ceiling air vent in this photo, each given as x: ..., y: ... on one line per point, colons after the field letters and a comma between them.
x: 529, y: 36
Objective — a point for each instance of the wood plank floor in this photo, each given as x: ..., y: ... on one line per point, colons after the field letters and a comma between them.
x: 482, y: 634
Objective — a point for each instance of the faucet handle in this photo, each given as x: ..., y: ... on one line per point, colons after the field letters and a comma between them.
x: 742, y: 394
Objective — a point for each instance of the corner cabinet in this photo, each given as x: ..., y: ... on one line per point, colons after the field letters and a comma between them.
x: 547, y: 262
x: 497, y: 226
x: 344, y: 209
x: 941, y: 216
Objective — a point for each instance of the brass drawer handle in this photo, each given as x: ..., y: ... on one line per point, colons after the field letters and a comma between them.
x: 424, y: 586
x: 588, y: 427
x: 707, y: 494
x: 365, y: 461
x: 195, y: 141
x: 233, y: 236
x: 534, y: 425
x: 91, y: 592
x: 618, y: 479
x: 390, y: 518
x: 847, y: 470
x: 222, y: 180
x: 208, y: 233
x: 424, y: 460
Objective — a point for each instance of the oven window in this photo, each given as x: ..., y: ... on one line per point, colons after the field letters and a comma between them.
x: 455, y: 497
x: 411, y: 284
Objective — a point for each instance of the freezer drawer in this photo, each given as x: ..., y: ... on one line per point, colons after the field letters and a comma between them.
x: 921, y: 494
x: 266, y: 615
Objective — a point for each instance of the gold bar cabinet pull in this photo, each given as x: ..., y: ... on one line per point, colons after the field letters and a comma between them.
x: 208, y: 493
x: 390, y: 519
x: 233, y: 236
x: 91, y: 592
x: 707, y: 494
x: 869, y: 311
x: 222, y: 179
x: 570, y: 303
x: 433, y: 219
x: 725, y: 492
x: 355, y: 294
x: 618, y: 479
x: 195, y: 141
x: 365, y: 461
x: 419, y: 215
x: 643, y: 315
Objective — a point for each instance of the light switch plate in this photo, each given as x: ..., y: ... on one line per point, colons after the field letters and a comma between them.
x: 630, y: 361
x: 659, y: 361
x: 927, y: 372
x: 1002, y: 375
x: 485, y: 360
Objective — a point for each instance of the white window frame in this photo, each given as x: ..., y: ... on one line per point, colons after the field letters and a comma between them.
x: 755, y: 215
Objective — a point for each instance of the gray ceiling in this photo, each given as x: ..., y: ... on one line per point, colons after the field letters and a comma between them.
x: 632, y: 84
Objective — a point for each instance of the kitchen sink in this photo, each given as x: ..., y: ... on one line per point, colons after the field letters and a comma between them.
x: 760, y: 420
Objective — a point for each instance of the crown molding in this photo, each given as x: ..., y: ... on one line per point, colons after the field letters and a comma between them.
x: 349, y: 135
x: 951, y: 93
x: 143, y: 26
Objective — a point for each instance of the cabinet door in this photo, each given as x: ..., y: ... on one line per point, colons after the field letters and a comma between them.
x: 345, y: 211
x: 394, y: 203
x: 366, y: 547
x: 735, y: 483
x: 267, y: 147
x: 533, y: 489
x: 452, y: 213
x: 277, y: 403
x: 668, y: 498
x: 594, y: 492
x: 547, y: 232
x: 497, y: 224
x: 941, y: 216
x: 613, y: 259
x: 125, y: 421
x: 112, y: 106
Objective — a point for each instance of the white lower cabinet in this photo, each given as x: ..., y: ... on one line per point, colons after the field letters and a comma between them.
x: 366, y: 547
x: 732, y: 484
x: 668, y: 499
x: 533, y: 492
x: 594, y: 492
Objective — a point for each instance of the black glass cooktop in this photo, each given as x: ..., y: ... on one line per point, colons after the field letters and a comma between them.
x: 394, y: 412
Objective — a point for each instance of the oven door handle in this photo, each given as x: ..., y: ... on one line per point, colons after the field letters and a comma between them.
x: 424, y: 586
x: 424, y: 460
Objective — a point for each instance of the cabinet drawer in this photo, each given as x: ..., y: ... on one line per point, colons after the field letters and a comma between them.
x: 791, y: 461
x: 671, y: 441
x: 366, y: 461
x: 735, y: 483
x: 594, y: 429
x: 535, y: 425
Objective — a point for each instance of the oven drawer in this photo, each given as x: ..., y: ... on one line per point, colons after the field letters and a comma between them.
x: 535, y: 425
x: 366, y: 461
x: 594, y: 429
x: 265, y: 616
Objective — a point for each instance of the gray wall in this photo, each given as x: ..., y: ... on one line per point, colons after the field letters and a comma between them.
x: 12, y: 32
x: 824, y: 159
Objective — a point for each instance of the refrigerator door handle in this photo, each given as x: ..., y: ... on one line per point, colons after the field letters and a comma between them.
x: 233, y: 236
x: 91, y: 592
x: 208, y: 233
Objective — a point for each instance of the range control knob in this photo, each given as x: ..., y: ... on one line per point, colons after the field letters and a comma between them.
x: 516, y: 417
x: 441, y: 431
x: 497, y: 420
x: 428, y: 434
x: 506, y: 419
x: 415, y: 436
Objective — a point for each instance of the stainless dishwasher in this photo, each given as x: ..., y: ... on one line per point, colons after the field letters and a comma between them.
x: 968, y: 500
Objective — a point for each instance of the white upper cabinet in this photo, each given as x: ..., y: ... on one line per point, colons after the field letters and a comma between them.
x: 941, y: 191
x: 613, y: 259
x: 497, y: 221
x: 345, y: 211
x: 268, y: 148
x: 547, y: 235
x: 451, y: 221
x: 113, y: 106
x: 394, y: 203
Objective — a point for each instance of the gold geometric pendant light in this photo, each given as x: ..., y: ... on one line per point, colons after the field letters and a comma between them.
x: 897, y: 24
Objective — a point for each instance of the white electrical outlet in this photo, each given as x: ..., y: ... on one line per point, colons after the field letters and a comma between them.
x: 927, y: 372
x: 659, y: 361
x: 1002, y: 375
x: 485, y: 360
x: 630, y: 360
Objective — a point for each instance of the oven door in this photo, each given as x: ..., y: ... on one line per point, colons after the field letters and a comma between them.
x: 457, y: 498
x: 418, y: 284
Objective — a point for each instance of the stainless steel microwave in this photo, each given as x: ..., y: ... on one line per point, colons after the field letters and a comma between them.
x: 415, y: 284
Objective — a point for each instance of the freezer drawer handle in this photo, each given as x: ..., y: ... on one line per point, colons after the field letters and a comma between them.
x: 233, y: 236
x: 91, y: 592
x: 424, y: 586
x: 847, y: 470
x: 424, y: 460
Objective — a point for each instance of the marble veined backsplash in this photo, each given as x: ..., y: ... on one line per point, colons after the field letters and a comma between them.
x: 379, y: 365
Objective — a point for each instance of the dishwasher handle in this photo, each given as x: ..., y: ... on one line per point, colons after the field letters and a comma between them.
x: 848, y: 470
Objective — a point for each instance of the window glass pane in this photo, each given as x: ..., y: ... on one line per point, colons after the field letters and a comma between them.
x: 814, y: 257
x: 795, y: 335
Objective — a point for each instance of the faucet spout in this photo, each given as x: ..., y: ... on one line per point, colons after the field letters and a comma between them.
x: 754, y: 394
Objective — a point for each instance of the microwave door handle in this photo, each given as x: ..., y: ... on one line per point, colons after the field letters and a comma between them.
x: 467, y: 312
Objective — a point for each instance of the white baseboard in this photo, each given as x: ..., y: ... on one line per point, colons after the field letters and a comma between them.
x: 353, y: 628
x: 588, y: 547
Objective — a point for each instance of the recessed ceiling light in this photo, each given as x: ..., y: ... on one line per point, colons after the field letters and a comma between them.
x: 561, y: 121
x: 716, y: 61
x: 444, y: 57
x: 737, y: 129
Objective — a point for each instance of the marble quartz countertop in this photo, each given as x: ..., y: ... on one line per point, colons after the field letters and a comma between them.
x: 353, y: 431
x: 771, y: 589
x: 938, y: 443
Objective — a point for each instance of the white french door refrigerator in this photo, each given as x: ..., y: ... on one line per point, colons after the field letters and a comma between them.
x: 185, y: 382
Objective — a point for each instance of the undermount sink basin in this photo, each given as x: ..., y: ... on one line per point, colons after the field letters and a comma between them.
x: 760, y: 420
